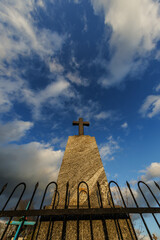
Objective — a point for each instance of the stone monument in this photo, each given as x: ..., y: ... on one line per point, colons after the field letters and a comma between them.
x: 82, y: 162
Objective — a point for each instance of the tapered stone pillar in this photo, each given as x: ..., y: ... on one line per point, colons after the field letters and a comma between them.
x: 82, y: 162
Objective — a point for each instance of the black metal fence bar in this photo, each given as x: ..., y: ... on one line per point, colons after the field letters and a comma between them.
x: 101, y: 206
x: 157, y: 185
x: 51, y: 223
x: 89, y: 206
x: 66, y: 207
x: 3, y: 188
x: 82, y: 213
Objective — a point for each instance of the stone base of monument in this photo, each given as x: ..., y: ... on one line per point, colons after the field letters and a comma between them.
x: 85, y: 232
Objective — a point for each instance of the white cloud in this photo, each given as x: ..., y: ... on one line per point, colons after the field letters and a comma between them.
x: 41, y: 3
x: 103, y: 115
x: 30, y: 162
x: 14, y: 88
x: 21, y: 35
x: 55, y: 67
x: 115, y: 175
x: 136, y: 30
x: 133, y: 182
x: 158, y: 55
x: 17, y: 90
x: 142, y: 236
x: 87, y: 110
x: 140, y: 230
x: 52, y: 95
x: 13, y: 131
x: 60, y: 141
x: 151, y: 172
x: 107, y: 150
x: 91, y: 110
x: 73, y: 62
x: 75, y: 78
x: 124, y: 125
x: 151, y: 106
x: 85, y: 21
x: 157, y: 88
x: 9, y: 90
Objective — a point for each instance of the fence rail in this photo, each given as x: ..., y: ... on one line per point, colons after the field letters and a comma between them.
x: 114, y: 212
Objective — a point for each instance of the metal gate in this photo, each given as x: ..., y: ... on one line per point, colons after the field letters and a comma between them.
x: 116, y: 213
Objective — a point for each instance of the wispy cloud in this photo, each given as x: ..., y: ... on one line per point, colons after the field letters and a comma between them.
x: 110, y: 114
x: 30, y: 162
x: 13, y: 131
x: 75, y: 78
x: 85, y: 20
x: 18, y: 90
x: 103, y: 115
x: 157, y: 88
x: 88, y: 109
x: 151, y: 172
x: 108, y: 149
x: 135, y: 33
x: 91, y: 110
x: 60, y: 141
x: 20, y: 36
x: 41, y: 3
x: 52, y: 95
x: 55, y: 67
x: 9, y: 91
x: 151, y: 106
x: 124, y: 125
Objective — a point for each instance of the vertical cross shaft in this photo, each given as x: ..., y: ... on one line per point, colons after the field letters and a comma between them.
x: 80, y: 123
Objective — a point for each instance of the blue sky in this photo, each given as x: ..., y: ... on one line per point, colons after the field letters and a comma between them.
x: 61, y: 60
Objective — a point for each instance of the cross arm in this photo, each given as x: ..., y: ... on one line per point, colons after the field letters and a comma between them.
x: 86, y: 123
x: 75, y: 123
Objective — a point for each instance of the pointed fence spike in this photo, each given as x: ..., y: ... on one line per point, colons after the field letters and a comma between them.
x: 157, y: 185
x: 127, y: 183
x: 3, y: 188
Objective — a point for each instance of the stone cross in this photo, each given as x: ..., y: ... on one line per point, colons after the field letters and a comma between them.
x: 81, y: 124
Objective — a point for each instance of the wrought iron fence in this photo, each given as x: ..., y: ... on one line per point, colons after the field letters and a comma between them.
x: 52, y: 215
